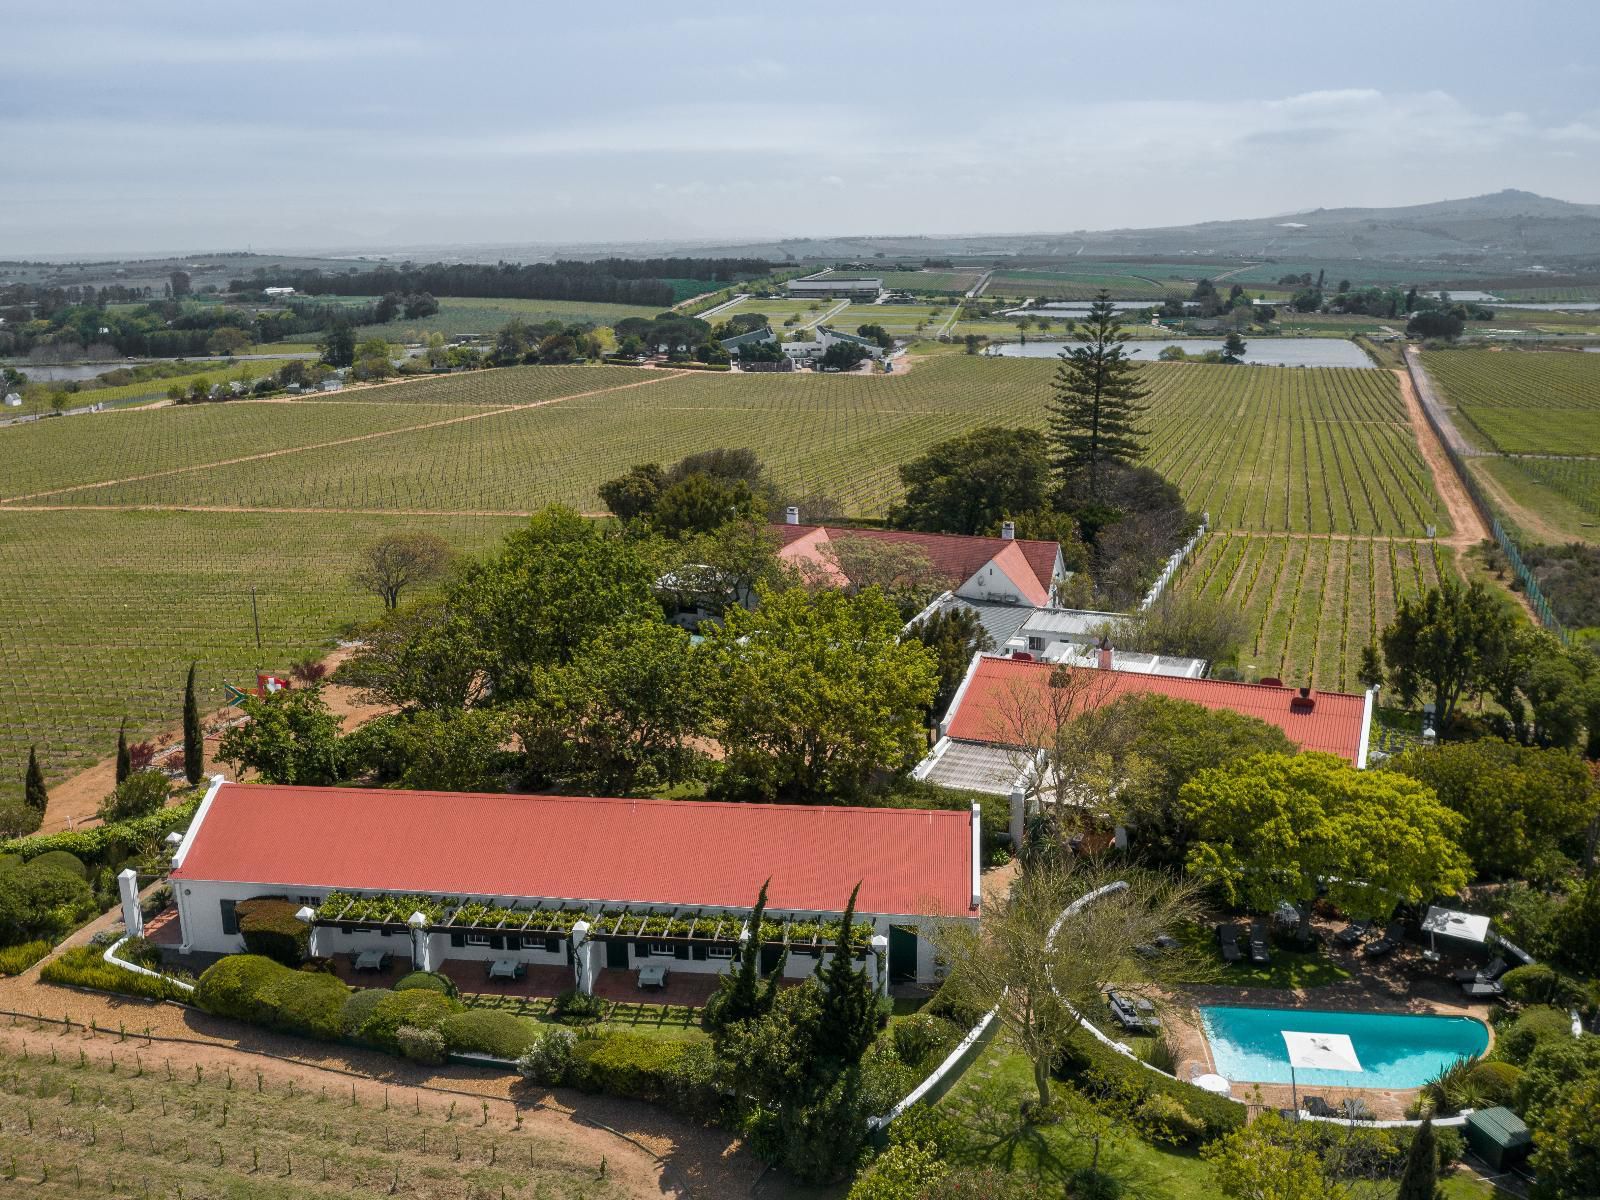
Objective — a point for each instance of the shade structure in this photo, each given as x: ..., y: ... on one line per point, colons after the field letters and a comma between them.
x: 1321, y: 1051
x: 1469, y: 927
x: 1213, y: 1083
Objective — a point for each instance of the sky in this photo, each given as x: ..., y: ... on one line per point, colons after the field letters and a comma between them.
x: 176, y: 127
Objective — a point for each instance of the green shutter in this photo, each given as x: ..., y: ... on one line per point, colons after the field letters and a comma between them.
x: 699, y: 953
x: 458, y: 939
x: 230, y: 919
x: 680, y: 950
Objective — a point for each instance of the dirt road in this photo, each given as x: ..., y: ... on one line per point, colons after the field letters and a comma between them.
x: 1465, y: 520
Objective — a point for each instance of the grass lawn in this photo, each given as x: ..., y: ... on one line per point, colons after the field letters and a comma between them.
x: 678, y: 1022
x: 1288, y: 969
x: 986, y: 1104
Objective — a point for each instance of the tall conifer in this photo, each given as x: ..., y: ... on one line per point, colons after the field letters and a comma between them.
x: 194, y: 746
x: 124, y: 759
x: 33, y: 789
x: 1094, y: 414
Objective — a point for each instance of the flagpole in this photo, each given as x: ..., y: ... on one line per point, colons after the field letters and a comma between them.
x: 1294, y: 1089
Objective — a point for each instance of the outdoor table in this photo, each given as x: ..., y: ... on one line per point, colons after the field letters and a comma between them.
x: 370, y: 960
x: 1214, y: 1083
x: 652, y: 977
x: 505, y: 968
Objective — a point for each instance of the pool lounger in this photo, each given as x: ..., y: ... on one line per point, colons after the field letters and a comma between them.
x: 1489, y: 973
x: 1259, y: 953
x: 1353, y: 934
x: 1482, y: 989
x: 1228, y: 939
x: 1318, y: 1107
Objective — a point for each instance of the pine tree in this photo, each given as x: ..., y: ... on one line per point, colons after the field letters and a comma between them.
x: 849, y: 1019
x: 1095, y: 410
x: 33, y: 789
x: 1420, y: 1180
x: 124, y: 759
x: 194, y: 746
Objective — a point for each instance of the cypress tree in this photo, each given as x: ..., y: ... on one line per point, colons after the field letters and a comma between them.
x: 1421, y: 1178
x: 738, y: 998
x: 849, y: 1007
x: 1095, y: 411
x: 33, y: 789
x: 124, y: 759
x: 194, y: 746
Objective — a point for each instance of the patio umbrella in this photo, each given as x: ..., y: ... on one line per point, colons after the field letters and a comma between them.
x: 1318, y: 1052
x: 1470, y: 927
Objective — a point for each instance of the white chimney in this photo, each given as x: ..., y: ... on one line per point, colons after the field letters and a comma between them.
x: 791, y: 515
x: 1008, y: 530
x: 1105, y: 659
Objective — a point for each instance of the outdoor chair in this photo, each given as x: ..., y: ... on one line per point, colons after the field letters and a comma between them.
x: 1482, y: 989
x: 1319, y: 1107
x: 1387, y: 944
x: 1259, y: 953
x: 1228, y: 940
x: 1488, y: 974
x: 1352, y: 934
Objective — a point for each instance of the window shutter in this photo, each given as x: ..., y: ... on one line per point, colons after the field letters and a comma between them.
x: 552, y: 944
x: 699, y: 953
x: 458, y: 939
x: 497, y: 941
x: 230, y: 919
x: 680, y: 950
x: 641, y: 947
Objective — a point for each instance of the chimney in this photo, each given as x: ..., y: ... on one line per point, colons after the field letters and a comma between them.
x: 791, y: 515
x: 1104, y: 657
x: 1008, y: 530
x: 1305, y: 693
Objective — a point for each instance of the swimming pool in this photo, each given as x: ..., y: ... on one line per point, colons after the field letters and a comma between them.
x: 1395, y: 1051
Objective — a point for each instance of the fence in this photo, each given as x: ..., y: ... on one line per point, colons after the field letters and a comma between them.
x: 1177, y: 560
x: 1453, y: 445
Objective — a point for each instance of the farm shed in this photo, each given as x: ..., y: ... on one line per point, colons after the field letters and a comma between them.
x: 549, y: 879
x: 1498, y: 1136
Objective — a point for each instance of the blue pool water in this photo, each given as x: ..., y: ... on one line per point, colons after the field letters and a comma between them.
x: 1394, y: 1051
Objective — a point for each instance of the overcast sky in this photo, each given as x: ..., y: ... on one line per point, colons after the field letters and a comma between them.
x: 166, y: 126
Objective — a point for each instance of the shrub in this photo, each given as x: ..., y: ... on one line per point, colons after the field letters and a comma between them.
x: 358, y: 1009
x: 1087, y: 1183
x: 140, y: 951
x: 1163, y: 1118
x: 1450, y: 1143
x: 1103, y: 1074
x: 1539, y: 984
x: 1529, y: 1029
x: 486, y: 1031
x: 431, y: 981
x: 9, y: 861
x: 250, y: 987
x: 625, y: 1064
x: 42, y: 900
x: 231, y: 986
x: 138, y: 795
x: 902, y: 1172
x: 14, y: 960
x: 270, y: 928
x: 550, y: 1060
x: 919, y: 1036
x: 1160, y: 1054
x: 421, y: 1045
x: 104, y: 842
x: 946, y: 1003
x: 1495, y: 1082
x: 82, y: 966
x: 572, y: 1005
x: 61, y: 860
x: 420, y: 1008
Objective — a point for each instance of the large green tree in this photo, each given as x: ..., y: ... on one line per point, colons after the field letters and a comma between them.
x: 954, y: 635
x: 1441, y: 645
x: 1277, y: 827
x: 972, y: 482
x: 1097, y: 404
x: 1527, y: 812
x: 291, y: 737
x: 1566, y: 1143
x: 814, y: 691
x: 429, y: 655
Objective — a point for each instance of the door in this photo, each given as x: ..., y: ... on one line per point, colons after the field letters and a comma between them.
x: 902, y: 954
x: 617, y: 954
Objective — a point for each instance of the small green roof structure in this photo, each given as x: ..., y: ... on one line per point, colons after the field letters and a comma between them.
x: 1498, y: 1136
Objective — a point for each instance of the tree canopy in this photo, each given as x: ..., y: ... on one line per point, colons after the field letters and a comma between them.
x: 1440, y: 645
x: 1097, y: 403
x: 1274, y: 827
x: 972, y: 482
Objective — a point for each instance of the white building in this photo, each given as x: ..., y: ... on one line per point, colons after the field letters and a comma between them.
x: 590, y: 883
x: 834, y: 287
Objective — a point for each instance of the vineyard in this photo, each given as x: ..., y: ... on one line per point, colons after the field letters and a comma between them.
x: 1312, y: 602
x: 1576, y: 479
x: 111, y: 605
x: 460, y: 316
x: 1524, y: 402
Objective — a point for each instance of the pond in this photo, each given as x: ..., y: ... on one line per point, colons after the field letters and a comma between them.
x: 1268, y: 352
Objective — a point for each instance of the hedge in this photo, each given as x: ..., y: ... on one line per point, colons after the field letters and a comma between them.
x: 679, y: 1075
x: 14, y: 960
x: 358, y: 1010
x: 487, y: 1031
x: 1518, y: 1040
x: 94, y: 845
x: 270, y: 928
x: 431, y: 981
x: 62, y: 859
x: 1102, y: 1073
x: 418, y: 1008
x: 1496, y: 1081
x: 1539, y: 984
x: 249, y: 987
x: 83, y: 966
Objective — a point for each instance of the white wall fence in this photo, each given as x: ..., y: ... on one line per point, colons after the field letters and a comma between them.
x: 1179, y: 557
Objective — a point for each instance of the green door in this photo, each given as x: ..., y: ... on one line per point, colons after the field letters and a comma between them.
x: 902, y: 955
x: 617, y: 953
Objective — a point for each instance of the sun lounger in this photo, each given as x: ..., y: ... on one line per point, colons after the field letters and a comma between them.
x: 1387, y: 944
x: 1482, y: 989
x: 1228, y: 940
x: 1488, y: 974
x: 1353, y: 934
x: 1318, y: 1107
x: 1260, y: 955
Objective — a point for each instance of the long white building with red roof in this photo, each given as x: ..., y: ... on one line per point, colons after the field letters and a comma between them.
x: 652, y: 882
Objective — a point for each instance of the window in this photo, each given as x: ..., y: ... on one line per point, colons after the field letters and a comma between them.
x: 1035, y: 642
x: 719, y: 951
x: 537, y: 942
x: 477, y: 939
x: 230, y: 920
x: 313, y: 901
x: 662, y: 948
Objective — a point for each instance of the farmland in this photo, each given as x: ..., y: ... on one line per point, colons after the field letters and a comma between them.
x: 1312, y: 602
x: 463, y: 316
x: 115, y: 591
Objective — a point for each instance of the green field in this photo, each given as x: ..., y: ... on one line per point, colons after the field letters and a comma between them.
x: 35, y: 401
x: 954, y: 283
x: 804, y: 312
x: 1081, y: 285
x: 1312, y: 603
x: 117, y: 1122
x: 105, y: 606
x: 1522, y: 402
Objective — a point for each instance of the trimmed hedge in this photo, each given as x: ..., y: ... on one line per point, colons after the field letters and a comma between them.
x: 83, y: 966
x: 1535, y: 1025
x: 1539, y: 984
x: 431, y: 981
x: 62, y: 860
x: 249, y: 987
x: 358, y: 1010
x: 1495, y: 1081
x: 486, y: 1031
x: 418, y: 1008
x: 1103, y: 1074
x: 97, y: 844
x: 270, y: 928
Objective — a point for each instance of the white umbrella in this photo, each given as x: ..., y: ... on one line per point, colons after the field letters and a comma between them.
x: 1318, y: 1052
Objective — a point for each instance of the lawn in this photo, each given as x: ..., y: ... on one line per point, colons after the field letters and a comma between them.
x: 675, y: 1022
x: 467, y: 315
x: 75, y: 1128
x: 1288, y: 969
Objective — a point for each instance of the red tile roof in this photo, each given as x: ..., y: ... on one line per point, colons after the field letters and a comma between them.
x: 951, y: 553
x: 667, y: 852
x: 1334, y: 723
